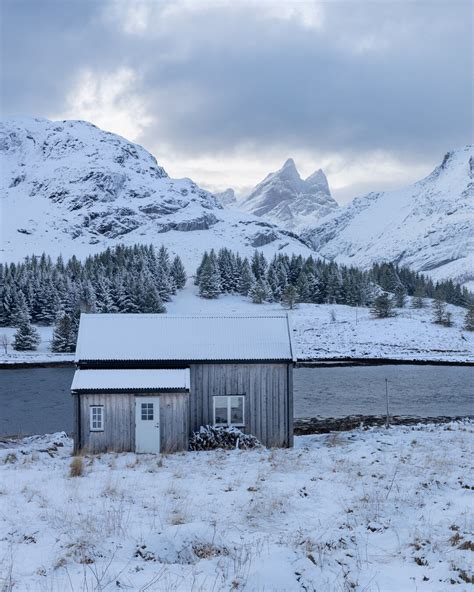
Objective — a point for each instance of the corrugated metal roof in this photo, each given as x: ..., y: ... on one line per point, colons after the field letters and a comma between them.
x: 85, y: 380
x: 185, y: 338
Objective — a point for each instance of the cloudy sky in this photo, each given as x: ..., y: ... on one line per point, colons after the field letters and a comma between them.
x: 374, y: 92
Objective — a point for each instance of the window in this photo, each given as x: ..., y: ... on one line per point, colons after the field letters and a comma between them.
x: 229, y: 410
x: 97, y: 418
x: 147, y: 411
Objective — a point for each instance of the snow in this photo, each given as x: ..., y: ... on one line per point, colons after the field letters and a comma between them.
x: 367, y: 510
x: 428, y: 226
x: 353, y: 334
x: 177, y: 337
x: 69, y: 188
x: 130, y: 379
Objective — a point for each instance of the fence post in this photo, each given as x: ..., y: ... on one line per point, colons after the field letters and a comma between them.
x: 387, y: 421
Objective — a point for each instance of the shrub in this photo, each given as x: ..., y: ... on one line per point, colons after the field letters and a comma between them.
x: 211, y: 438
x: 76, y: 468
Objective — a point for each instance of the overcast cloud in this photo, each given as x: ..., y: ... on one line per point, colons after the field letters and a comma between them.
x: 373, y: 92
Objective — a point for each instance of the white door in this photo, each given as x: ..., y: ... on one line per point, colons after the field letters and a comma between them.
x: 147, y: 424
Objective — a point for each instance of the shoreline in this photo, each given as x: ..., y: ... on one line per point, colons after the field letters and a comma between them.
x: 308, y: 426
x: 300, y: 363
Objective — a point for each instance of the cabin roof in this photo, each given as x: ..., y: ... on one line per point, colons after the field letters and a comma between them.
x: 139, y: 380
x: 159, y: 337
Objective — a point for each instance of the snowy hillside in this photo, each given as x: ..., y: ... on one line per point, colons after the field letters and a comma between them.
x: 376, y: 510
x: 286, y: 199
x: 68, y: 187
x: 428, y: 226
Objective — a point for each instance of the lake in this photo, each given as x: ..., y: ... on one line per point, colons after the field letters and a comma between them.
x: 38, y: 400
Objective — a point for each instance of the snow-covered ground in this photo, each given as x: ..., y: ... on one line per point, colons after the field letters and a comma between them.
x: 377, y: 510
x: 354, y: 333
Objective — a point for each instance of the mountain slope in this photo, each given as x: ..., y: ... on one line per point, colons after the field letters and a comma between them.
x: 226, y: 198
x: 68, y: 187
x: 286, y: 199
x: 428, y: 226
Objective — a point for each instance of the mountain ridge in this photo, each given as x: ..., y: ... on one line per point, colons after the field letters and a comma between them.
x: 428, y: 226
x: 69, y: 187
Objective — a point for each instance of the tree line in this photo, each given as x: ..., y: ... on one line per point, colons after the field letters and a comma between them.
x: 292, y: 279
x: 141, y: 279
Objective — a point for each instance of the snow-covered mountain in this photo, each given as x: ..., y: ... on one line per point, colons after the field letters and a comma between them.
x: 226, y: 198
x: 288, y: 200
x: 68, y: 187
x: 428, y: 226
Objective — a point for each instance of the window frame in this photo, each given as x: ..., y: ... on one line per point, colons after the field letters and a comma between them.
x: 92, y: 408
x: 229, y: 411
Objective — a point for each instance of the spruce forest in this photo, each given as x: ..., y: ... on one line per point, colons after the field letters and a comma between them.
x: 141, y: 279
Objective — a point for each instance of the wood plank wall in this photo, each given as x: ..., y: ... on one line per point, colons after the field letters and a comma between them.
x: 268, y: 408
x: 119, y: 422
x: 174, y: 422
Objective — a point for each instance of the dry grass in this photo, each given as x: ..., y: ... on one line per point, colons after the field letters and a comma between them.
x: 76, y: 468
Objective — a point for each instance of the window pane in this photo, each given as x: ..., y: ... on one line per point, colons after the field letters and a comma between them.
x: 237, y: 410
x: 96, y: 414
x: 220, y: 410
x: 147, y: 411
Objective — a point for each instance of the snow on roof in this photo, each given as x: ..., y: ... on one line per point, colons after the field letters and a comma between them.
x: 85, y: 380
x: 186, y: 338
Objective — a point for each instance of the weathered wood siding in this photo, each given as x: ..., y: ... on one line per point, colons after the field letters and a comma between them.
x: 268, y: 405
x: 174, y: 422
x: 119, y: 422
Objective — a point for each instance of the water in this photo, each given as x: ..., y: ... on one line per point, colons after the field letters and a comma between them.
x: 38, y: 400
x: 420, y: 391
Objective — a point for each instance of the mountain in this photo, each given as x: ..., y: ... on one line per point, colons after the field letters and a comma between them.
x: 428, y: 226
x: 68, y: 187
x: 226, y: 198
x: 288, y: 200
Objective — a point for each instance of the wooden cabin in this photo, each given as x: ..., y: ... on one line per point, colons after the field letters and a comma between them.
x: 146, y: 382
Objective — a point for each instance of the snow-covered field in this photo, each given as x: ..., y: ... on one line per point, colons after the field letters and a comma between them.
x: 377, y: 510
x: 353, y: 333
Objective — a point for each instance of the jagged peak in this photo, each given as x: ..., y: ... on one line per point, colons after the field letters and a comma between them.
x: 289, y: 163
x: 318, y: 180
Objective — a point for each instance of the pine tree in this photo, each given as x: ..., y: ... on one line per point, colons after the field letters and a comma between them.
x: 259, y: 292
x: 301, y: 289
x: 417, y: 300
x: 178, y: 273
x: 439, y: 311
x: 6, y: 306
x: 62, y: 340
x: 27, y: 337
x: 197, y: 276
x: 209, y: 278
x: 290, y: 296
x: 382, y: 307
x: 104, y: 300
x: 246, y: 279
x: 469, y: 319
x: 19, y: 308
x: 259, y: 265
x: 400, y: 296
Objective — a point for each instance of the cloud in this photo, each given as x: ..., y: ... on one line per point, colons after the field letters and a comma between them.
x: 110, y: 101
x: 374, y: 91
